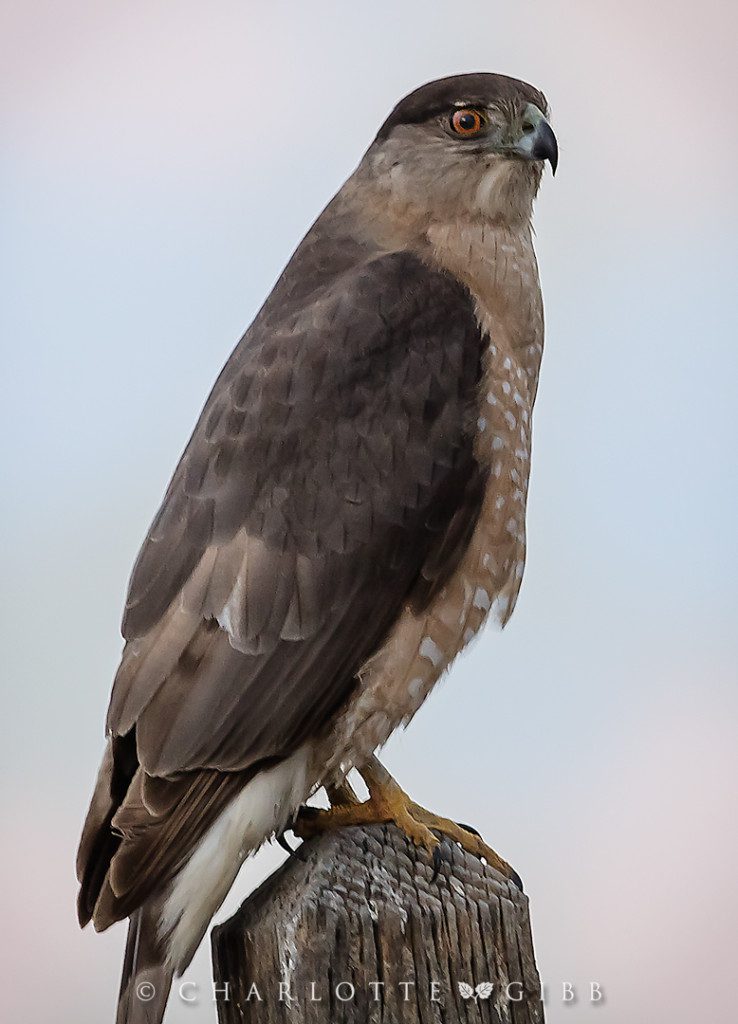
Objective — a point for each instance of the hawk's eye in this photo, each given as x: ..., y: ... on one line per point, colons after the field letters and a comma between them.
x: 467, y: 122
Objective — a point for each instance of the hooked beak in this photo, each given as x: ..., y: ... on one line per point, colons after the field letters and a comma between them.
x: 537, y: 141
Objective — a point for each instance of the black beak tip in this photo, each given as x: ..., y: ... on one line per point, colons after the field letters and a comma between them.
x: 546, y: 147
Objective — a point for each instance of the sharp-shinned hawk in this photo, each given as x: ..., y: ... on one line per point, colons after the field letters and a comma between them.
x: 349, y: 510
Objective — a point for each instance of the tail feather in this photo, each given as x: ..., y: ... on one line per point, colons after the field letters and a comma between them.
x: 146, y: 978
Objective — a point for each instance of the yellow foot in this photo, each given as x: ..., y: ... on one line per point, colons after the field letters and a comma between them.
x: 385, y: 803
x: 467, y: 839
x: 389, y: 803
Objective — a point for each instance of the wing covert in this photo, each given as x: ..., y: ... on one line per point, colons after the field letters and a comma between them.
x: 332, y: 463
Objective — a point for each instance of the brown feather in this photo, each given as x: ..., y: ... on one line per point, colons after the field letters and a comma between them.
x: 330, y: 480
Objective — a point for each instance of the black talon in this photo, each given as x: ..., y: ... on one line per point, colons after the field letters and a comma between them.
x: 517, y: 880
x: 437, y: 858
x: 303, y: 812
x: 282, y: 841
x: 307, y: 811
x: 469, y: 828
x: 298, y: 852
x: 514, y: 876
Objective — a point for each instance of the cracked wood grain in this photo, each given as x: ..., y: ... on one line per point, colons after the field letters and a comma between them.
x: 356, y: 933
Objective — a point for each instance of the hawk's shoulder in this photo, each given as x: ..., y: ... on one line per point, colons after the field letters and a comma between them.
x: 328, y: 422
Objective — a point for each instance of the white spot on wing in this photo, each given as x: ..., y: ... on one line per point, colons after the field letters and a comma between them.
x: 499, y: 607
x: 415, y: 688
x: 430, y: 650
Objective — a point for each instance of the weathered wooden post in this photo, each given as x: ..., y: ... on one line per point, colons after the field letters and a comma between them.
x: 356, y: 932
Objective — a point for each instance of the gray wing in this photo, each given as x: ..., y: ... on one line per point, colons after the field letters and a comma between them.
x: 329, y: 481
x: 329, y: 460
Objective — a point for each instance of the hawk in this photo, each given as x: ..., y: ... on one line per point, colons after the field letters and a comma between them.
x: 348, y: 512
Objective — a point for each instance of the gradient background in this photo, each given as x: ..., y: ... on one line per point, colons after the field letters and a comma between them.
x: 159, y: 163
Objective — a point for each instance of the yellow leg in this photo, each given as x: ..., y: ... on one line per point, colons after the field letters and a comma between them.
x: 388, y: 802
x: 343, y: 793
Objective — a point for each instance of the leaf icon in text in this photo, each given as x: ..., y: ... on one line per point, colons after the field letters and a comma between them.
x: 466, y: 991
x: 484, y: 989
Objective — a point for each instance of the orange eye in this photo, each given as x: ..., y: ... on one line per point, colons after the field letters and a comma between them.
x: 467, y: 122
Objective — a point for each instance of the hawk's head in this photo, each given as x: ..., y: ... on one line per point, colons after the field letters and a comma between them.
x: 465, y: 146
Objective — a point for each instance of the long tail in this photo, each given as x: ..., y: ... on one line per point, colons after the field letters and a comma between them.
x: 146, y: 979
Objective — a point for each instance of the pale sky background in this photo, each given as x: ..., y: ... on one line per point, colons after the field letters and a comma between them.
x: 148, y: 202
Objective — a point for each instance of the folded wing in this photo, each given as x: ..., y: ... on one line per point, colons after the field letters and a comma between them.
x: 329, y: 481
